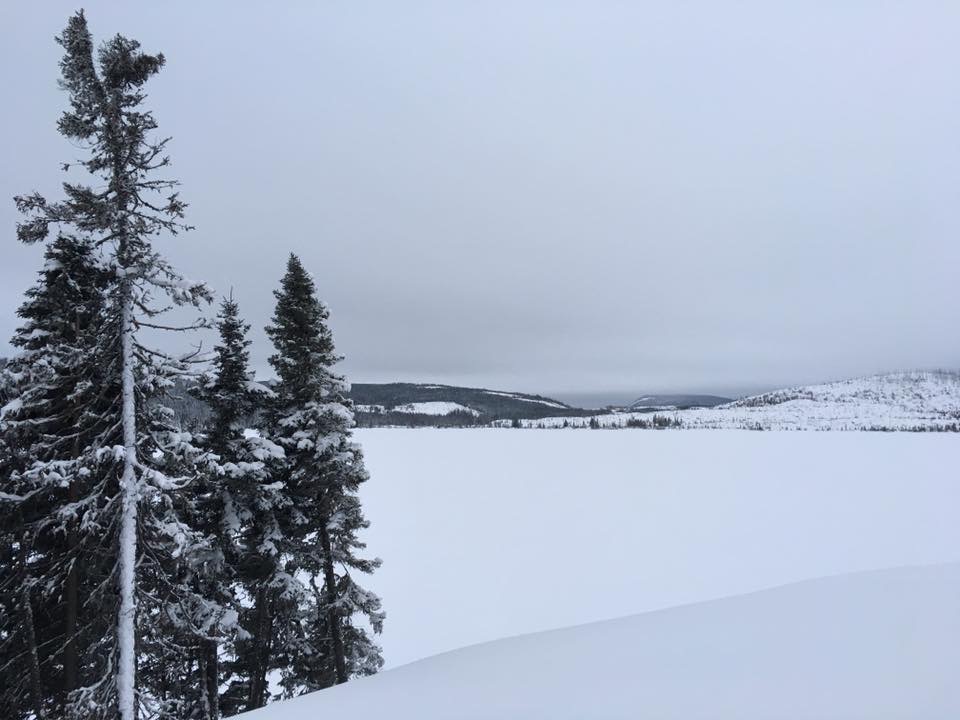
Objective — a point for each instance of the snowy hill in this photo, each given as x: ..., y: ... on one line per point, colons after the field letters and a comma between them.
x: 380, y: 404
x: 893, y: 401
x: 414, y: 405
x: 928, y: 400
x: 872, y: 645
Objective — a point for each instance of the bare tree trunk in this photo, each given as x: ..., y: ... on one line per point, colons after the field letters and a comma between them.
x: 333, y: 619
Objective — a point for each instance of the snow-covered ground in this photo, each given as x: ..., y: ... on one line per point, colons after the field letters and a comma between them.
x: 432, y: 407
x: 871, y: 645
x: 488, y: 534
x: 893, y: 401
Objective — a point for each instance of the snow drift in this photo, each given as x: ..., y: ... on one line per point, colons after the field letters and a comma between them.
x: 881, y: 644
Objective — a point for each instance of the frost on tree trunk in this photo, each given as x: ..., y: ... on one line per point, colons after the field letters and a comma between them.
x: 144, y: 506
x: 126, y: 620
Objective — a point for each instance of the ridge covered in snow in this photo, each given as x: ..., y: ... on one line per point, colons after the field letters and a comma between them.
x: 523, y: 398
x: 387, y: 404
x: 928, y: 400
x: 879, y: 644
x: 676, y: 401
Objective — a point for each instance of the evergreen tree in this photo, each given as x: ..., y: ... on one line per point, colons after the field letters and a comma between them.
x: 311, y: 418
x: 231, y: 497
x: 56, y: 415
x: 140, y: 463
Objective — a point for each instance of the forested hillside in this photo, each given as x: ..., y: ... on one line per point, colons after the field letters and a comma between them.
x: 416, y: 405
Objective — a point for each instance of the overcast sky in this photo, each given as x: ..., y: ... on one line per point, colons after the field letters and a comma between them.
x: 549, y: 196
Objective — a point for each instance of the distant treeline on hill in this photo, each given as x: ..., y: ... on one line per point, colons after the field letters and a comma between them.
x: 434, y: 405
x: 417, y: 405
x: 380, y: 404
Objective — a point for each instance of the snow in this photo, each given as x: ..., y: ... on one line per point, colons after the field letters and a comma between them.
x: 370, y: 408
x: 259, y: 388
x: 11, y: 408
x: 488, y: 534
x: 127, y: 554
x: 871, y: 645
x: 491, y: 533
x: 434, y: 407
x: 513, y: 396
x: 895, y: 401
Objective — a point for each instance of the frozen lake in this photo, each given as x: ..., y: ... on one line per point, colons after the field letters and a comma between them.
x: 490, y: 533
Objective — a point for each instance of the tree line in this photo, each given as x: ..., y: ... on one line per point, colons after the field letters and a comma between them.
x: 148, y: 570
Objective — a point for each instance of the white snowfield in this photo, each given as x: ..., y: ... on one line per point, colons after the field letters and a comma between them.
x: 876, y: 645
x: 894, y: 401
x: 488, y: 534
x: 433, y: 407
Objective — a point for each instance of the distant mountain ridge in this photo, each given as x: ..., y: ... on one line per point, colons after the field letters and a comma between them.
x: 916, y: 400
x: 909, y: 400
x: 678, y: 402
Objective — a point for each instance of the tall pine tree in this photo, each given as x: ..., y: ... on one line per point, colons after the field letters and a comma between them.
x: 311, y: 418
x: 141, y: 470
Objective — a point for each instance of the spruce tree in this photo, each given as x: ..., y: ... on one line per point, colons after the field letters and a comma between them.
x: 142, y: 461
x: 231, y: 496
x: 53, y: 497
x: 311, y: 419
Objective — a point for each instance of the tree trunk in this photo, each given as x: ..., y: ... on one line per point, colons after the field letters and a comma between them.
x: 36, y: 687
x: 126, y: 620
x: 333, y: 620
x: 211, y: 678
x: 71, y: 591
x: 262, y: 643
x: 29, y: 631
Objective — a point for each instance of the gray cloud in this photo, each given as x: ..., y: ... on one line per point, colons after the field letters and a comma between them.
x: 554, y: 197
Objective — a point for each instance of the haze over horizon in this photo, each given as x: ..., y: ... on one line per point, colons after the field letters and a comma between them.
x: 572, y: 199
